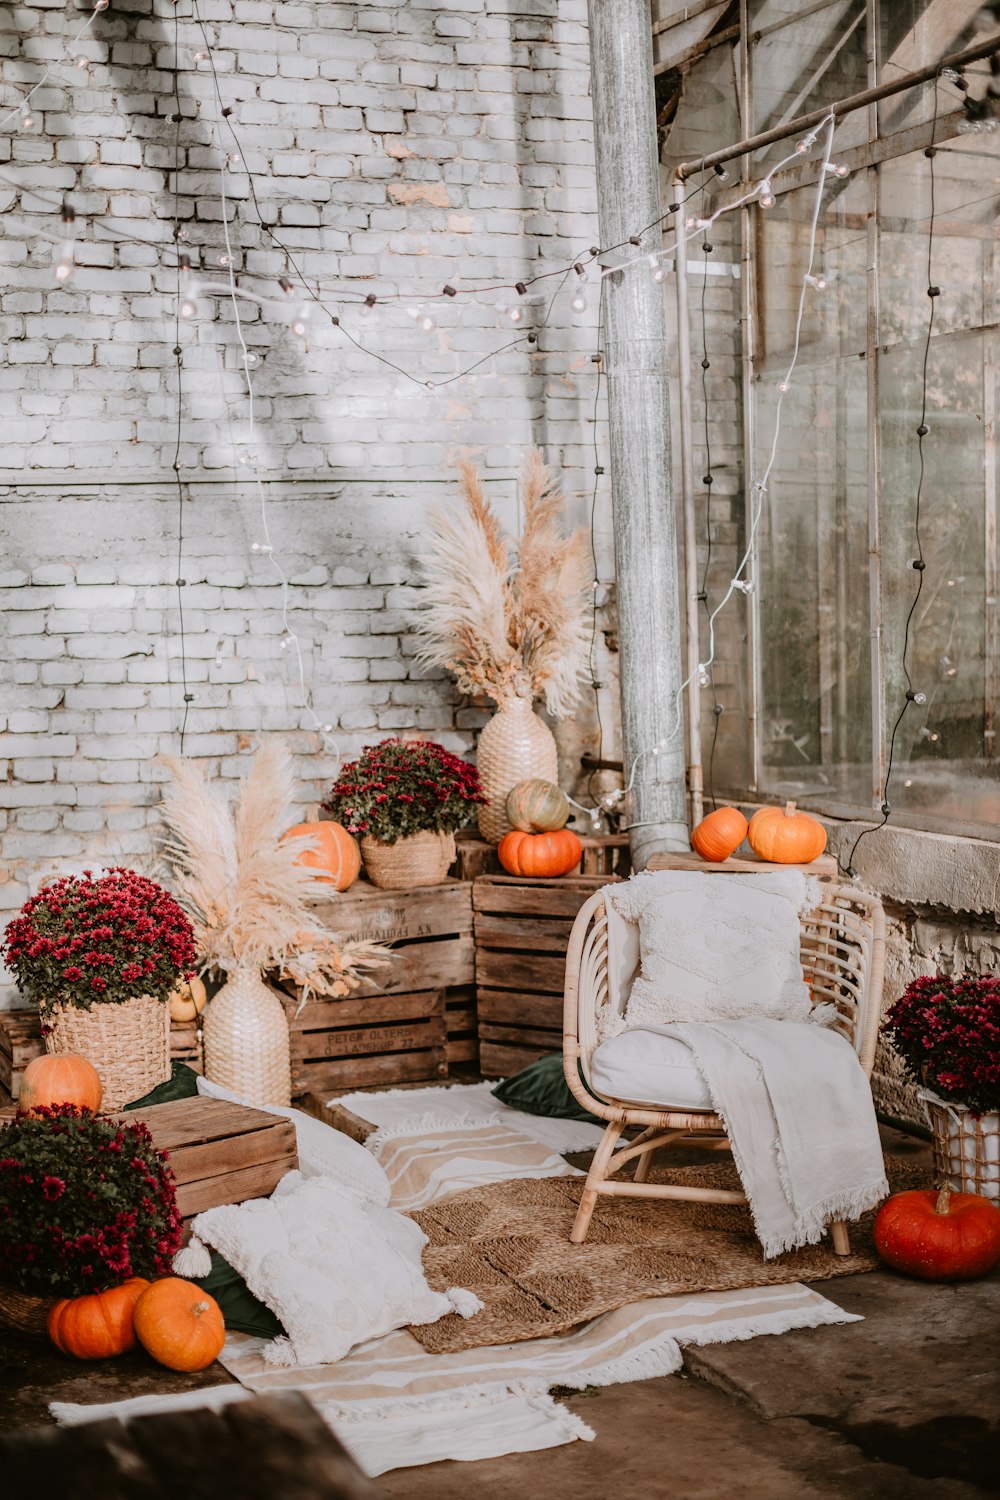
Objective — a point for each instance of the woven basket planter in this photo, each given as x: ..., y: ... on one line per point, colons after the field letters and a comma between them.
x: 515, y: 745
x: 23, y: 1311
x: 246, y: 1040
x: 418, y: 859
x: 128, y: 1044
x: 966, y: 1147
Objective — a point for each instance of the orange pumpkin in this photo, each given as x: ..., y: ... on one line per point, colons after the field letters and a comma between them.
x: 336, y: 857
x: 179, y: 1325
x: 188, y: 1000
x: 60, y: 1078
x: 786, y: 837
x: 536, y: 806
x: 941, y: 1236
x: 720, y: 834
x: 540, y: 854
x: 99, y: 1325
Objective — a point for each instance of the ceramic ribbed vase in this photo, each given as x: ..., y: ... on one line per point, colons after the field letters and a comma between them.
x: 515, y: 745
x: 246, y: 1040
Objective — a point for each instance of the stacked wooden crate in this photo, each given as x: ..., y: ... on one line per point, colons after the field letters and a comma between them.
x: 522, y: 930
x: 415, y: 1016
x: 21, y: 1040
x: 604, y: 854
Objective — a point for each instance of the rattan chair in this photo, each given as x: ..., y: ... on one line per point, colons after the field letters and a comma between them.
x: 842, y: 948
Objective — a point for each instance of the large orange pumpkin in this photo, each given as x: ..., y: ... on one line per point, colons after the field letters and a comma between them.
x: 540, y: 854
x: 60, y: 1078
x: 786, y: 837
x: 941, y: 1236
x: 99, y: 1325
x: 336, y: 857
x: 536, y: 806
x: 720, y: 834
x: 179, y: 1325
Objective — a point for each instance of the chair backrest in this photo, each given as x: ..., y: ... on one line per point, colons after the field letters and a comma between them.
x: 841, y: 945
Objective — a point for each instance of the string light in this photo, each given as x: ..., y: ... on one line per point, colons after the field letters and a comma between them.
x: 27, y: 120
x: 819, y: 283
x: 63, y: 265
x: 578, y: 301
x: 765, y: 197
x: 657, y: 269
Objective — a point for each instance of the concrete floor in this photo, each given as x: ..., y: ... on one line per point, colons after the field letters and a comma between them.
x: 902, y: 1406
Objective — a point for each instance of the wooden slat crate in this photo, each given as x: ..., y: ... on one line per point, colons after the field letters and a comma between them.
x: 408, y: 1021
x: 219, y: 1152
x: 21, y: 1040
x: 824, y: 868
x: 522, y: 931
x: 603, y: 854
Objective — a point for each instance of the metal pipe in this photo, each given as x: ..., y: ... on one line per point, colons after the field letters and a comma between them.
x: 874, y: 456
x: 645, y: 523
x: 686, y: 431
x: 839, y: 108
x: 748, y: 267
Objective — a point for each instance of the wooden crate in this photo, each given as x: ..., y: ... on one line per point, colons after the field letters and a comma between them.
x: 522, y: 931
x: 219, y: 1152
x: 410, y: 1020
x: 824, y: 868
x: 603, y: 854
x: 21, y: 1040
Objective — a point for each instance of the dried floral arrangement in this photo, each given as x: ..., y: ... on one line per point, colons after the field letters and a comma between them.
x: 83, y: 941
x: 85, y: 1202
x: 947, y: 1031
x: 508, y: 619
x: 401, y: 787
x: 238, y: 880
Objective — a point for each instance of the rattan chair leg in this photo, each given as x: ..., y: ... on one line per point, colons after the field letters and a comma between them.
x: 643, y: 1165
x: 596, y: 1175
x: 840, y: 1235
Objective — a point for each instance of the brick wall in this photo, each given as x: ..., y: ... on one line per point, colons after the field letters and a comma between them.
x: 393, y: 147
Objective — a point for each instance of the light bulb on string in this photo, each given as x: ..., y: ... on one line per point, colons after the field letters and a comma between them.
x: 248, y: 459
x: 836, y: 168
x: 783, y: 387
x: 300, y: 322
x: 765, y: 196
x: 225, y: 259
x: 805, y: 144
x: 27, y: 119
x: 657, y: 269
x: 817, y: 282
x: 512, y: 311
x: 101, y: 4
x: 83, y: 63
x: 63, y: 262
x: 199, y: 57
x: 578, y: 301
x: 704, y: 680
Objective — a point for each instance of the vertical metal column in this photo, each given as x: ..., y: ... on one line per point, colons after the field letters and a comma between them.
x: 645, y: 532
x: 693, y: 657
x: 748, y: 281
x: 879, y: 747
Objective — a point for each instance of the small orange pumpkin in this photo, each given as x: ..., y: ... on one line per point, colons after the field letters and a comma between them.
x: 786, y: 837
x: 540, y: 854
x: 179, y: 1325
x: 941, y: 1236
x: 336, y: 857
x: 536, y: 806
x: 60, y: 1078
x: 188, y: 1000
x: 720, y: 834
x: 99, y: 1325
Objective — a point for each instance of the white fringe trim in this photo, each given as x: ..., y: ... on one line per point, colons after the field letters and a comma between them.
x: 770, y: 1323
x: 427, y: 1125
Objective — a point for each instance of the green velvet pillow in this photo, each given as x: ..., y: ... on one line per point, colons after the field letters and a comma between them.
x: 238, y: 1305
x: 182, y: 1084
x: 541, y: 1089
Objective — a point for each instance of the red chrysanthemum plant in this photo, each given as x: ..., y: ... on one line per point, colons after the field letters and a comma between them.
x: 401, y: 787
x: 947, y: 1031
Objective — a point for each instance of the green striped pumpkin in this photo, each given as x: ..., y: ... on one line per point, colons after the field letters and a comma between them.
x: 537, y: 806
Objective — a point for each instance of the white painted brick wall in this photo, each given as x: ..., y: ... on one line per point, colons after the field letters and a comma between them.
x: 395, y: 147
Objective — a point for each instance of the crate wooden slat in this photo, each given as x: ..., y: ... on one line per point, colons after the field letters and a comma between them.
x: 824, y: 868
x: 522, y: 931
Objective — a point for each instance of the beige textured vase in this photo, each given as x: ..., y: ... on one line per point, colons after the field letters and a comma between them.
x: 515, y: 745
x: 246, y: 1040
x: 418, y: 859
x: 128, y: 1044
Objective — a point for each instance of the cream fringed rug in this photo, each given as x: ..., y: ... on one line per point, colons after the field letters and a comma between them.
x: 509, y: 1243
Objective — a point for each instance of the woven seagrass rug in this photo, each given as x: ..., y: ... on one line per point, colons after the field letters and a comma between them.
x: 509, y: 1243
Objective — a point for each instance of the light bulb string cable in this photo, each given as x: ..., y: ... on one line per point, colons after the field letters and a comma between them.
x: 56, y: 62
x: 180, y: 582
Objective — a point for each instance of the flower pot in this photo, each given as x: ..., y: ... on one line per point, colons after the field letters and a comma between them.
x: 966, y: 1146
x: 514, y: 745
x: 128, y: 1044
x: 23, y: 1311
x: 418, y: 859
x: 246, y: 1040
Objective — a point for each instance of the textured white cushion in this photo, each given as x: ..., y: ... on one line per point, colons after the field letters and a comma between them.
x: 714, y: 947
x: 643, y: 1066
x: 323, y: 1151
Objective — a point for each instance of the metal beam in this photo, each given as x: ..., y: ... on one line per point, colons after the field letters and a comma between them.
x: 645, y: 526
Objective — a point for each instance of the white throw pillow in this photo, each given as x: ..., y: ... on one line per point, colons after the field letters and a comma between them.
x: 323, y: 1151
x: 334, y: 1270
x: 643, y: 1066
x: 714, y: 947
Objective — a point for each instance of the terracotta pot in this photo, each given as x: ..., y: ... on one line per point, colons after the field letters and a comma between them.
x: 514, y: 746
x: 418, y: 859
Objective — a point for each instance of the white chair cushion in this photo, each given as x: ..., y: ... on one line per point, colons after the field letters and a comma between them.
x: 644, y: 1066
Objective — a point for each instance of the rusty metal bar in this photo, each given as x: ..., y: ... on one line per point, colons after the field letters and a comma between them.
x: 872, y: 353
x: 691, y: 13
x: 749, y: 407
x: 840, y: 107
x: 991, y: 624
x: 697, y: 50
x: 690, y: 532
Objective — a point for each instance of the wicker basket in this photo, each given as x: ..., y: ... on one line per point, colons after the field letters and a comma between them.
x: 966, y: 1147
x: 514, y: 745
x: 24, y: 1312
x: 128, y: 1044
x: 419, y: 859
x: 246, y: 1040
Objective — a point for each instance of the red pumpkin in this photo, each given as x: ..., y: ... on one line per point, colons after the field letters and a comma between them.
x: 60, y: 1078
x: 720, y: 834
x: 540, y: 854
x: 786, y: 837
x: 179, y: 1325
x: 941, y: 1236
x: 336, y: 857
x: 97, y: 1326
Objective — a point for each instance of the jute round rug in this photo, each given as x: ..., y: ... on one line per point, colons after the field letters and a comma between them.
x: 509, y: 1243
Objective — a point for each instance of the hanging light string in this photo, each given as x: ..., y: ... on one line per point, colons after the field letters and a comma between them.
x: 738, y: 582
x: 912, y: 696
x: 22, y: 109
x: 180, y: 581
x: 707, y: 481
x: 596, y: 685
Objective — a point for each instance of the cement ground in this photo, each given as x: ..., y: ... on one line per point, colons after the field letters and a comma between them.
x: 902, y: 1406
